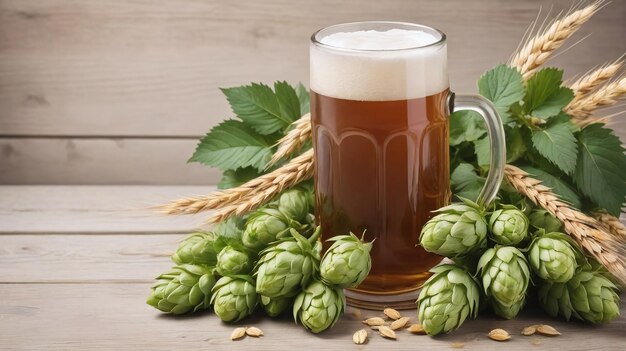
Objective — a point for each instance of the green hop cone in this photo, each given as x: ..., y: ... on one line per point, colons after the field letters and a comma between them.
x: 288, y: 265
x: 541, y: 219
x: 275, y: 306
x: 318, y: 306
x: 457, y: 230
x: 198, y: 248
x: 588, y: 296
x: 552, y: 257
x: 347, y: 262
x: 234, y: 298
x: 231, y: 261
x: 294, y: 203
x: 505, y: 276
x: 508, y: 225
x: 447, y: 298
x: 183, y: 289
x: 264, y: 226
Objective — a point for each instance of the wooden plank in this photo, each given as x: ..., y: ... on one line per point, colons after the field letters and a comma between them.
x: 132, y: 68
x: 101, y: 161
x: 85, y: 258
x: 93, y: 209
x: 114, y: 316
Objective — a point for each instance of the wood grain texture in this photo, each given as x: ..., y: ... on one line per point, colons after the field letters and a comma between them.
x: 93, y: 209
x: 137, y: 69
x: 92, y: 258
x: 115, y: 317
x: 153, y: 67
x: 101, y: 161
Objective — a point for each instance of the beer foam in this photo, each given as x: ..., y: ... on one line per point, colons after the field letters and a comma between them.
x: 373, y: 65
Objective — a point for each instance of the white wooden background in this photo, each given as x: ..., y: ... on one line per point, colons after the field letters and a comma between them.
x: 117, y: 91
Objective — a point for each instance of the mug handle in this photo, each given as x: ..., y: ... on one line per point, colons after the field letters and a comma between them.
x: 497, y: 145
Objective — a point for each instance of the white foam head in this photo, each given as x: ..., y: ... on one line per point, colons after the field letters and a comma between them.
x: 378, y: 65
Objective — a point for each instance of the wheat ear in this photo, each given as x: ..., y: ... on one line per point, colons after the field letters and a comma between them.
x: 605, y: 96
x: 293, y: 140
x: 612, y: 224
x: 588, y: 232
x: 538, y: 49
x: 249, y: 195
x: 594, y: 79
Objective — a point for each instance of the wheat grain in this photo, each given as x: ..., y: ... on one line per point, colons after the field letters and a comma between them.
x: 249, y: 195
x: 585, y: 230
x: 538, y: 49
x: 294, y: 140
x: 605, y: 96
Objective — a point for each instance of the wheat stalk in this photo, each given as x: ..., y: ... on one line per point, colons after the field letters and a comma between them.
x: 605, y: 96
x: 538, y: 49
x: 293, y: 140
x: 249, y: 195
x: 587, y: 231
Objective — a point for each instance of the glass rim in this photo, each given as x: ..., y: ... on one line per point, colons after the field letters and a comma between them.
x: 316, y: 41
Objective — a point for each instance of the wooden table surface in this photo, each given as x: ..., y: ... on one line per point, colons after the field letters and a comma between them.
x: 77, y: 262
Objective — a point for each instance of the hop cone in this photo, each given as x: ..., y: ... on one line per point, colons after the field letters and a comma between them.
x: 347, y: 262
x: 505, y: 275
x: 457, y: 230
x: 263, y: 227
x: 588, y: 296
x: 287, y: 266
x: 508, y: 225
x: 234, y: 298
x: 542, y: 220
x: 231, y: 261
x: 183, y: 289
x: 552, y: 257
x: 295, y: 204
x: 447, y: 299
x: 318, y: 306
x: 198, y: 248
x: 274, y: 306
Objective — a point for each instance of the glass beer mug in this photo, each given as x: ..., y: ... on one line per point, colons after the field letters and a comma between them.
x: 380, y: 103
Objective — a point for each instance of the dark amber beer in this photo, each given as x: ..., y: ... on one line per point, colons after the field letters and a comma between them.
x: 379, y: 111
x: 382, y: 167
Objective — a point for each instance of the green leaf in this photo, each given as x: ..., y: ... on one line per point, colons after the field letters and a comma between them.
x: 545, y: 97
x: 465, y: 182
x: 304, y: 97
x: 558, y: 144
x: 235, y: 177
x: 559, y: 187
x: 258, y: 107
x: 231, y: 145
x: 287, y: 100
x: 515, y: 145
x: 483, y: 151
x: 466, y: 126
x: 504, y: 86
x: 600, y: 172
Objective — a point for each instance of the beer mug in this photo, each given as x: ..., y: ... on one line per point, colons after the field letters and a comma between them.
x: 380, y: 103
